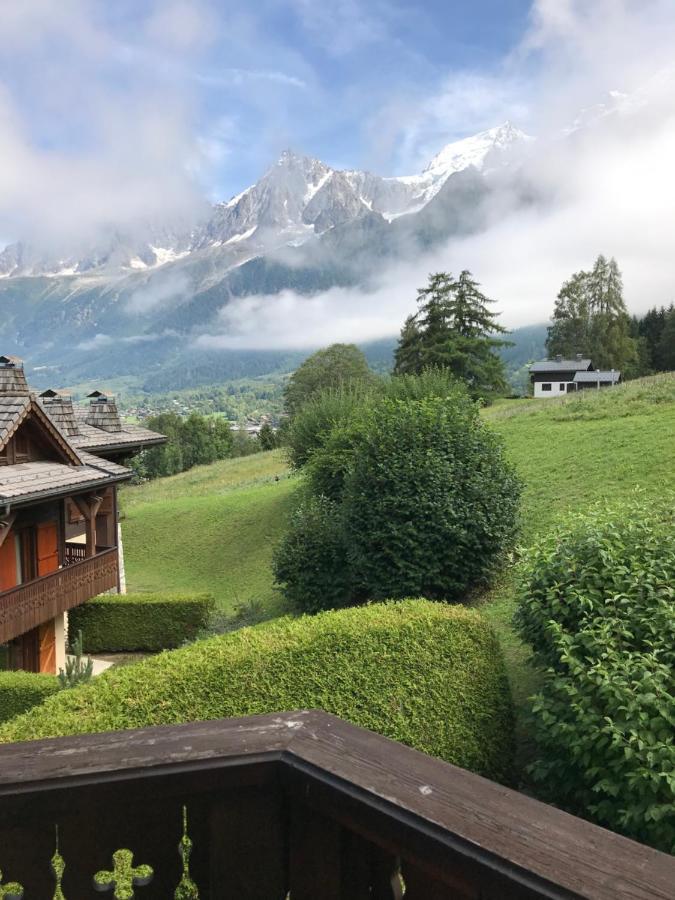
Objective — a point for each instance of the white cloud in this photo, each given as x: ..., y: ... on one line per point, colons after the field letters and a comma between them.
x: 606, y: 187
x: 161, y: 289
x: 90, y: 139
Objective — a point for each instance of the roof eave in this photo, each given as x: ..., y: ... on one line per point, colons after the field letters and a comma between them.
x: 126, y: 445
x: 66, y: 491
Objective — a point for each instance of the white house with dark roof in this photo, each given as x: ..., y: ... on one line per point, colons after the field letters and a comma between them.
x: 59, y: 536
x: 557, y: 377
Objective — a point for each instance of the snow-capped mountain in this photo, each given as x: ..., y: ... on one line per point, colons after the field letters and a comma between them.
x: 297, y: 199
x: 140, y: 302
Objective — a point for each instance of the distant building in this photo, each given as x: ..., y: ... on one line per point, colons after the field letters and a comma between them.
x: 60, y: 544
x: 556, y: 377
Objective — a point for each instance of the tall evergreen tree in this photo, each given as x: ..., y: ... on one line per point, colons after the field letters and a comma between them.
x: 454, y: 329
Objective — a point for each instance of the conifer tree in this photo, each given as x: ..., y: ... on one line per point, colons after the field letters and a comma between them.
x: 454, y: 329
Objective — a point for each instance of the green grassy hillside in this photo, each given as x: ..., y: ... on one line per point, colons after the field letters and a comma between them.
x: 571, y: 453
x: 214, y: 528
x: 210, y: 529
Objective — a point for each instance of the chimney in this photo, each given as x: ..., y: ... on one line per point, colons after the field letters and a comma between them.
x: 558, y: 358
x: 12, y: 377
x: 103, y: 412
x: 579, y: 357
x: 59, y: 407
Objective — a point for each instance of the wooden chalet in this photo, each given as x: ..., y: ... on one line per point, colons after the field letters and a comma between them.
x: 59, y: 535
x: 556, y: 377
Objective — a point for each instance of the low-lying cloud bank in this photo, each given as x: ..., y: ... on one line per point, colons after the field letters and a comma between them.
x: 601, y: 99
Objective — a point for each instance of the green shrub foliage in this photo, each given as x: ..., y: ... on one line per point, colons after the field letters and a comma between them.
x: 312, y: 425
x: 426, y: 674
x: 129, y: 622
x: 312, y: 560
x: 21, y: 691
x: 421, y: 502
x: 597, y: 607
x: 430, y: 505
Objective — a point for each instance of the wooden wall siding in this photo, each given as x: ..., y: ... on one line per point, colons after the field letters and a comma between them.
x: 299, y: 803
x: 31, y: 604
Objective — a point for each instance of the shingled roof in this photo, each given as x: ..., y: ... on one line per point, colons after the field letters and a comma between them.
x: 561, y: 365
x: 13, y: 411
x: 28, y: 481
x: 12, y: 377
x: 128, y: 435
x: 75, y: 423
x: 604, y: 377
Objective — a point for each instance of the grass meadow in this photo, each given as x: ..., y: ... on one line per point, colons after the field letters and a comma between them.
x: 214, y: 527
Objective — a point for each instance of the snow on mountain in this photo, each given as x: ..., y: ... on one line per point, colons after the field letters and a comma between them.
x: 297, y: 199
x: 496, y: 146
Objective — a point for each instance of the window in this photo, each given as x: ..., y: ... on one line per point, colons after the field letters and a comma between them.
x: 562, y: 385
x: 546, y: 387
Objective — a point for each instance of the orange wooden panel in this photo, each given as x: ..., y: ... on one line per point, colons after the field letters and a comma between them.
x: 8, y: 577
x: 47, y: 640
x: 47, y: 548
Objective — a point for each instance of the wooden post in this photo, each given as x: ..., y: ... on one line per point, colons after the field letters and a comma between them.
x: 89, y: 507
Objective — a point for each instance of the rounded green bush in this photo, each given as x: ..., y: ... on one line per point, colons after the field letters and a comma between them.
x: 429, y: 675
x: 20, y: 691
x: 127, y: 622
x: 422, y: 502
x: 430, y: 504
x: 597, y: 604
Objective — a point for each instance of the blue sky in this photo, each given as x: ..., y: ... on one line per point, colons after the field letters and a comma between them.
x: 343, y: 81
x: 113, y: 114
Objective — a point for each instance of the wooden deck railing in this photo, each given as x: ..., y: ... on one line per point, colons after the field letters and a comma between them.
x: 34, y: 602
x: 298, y: 804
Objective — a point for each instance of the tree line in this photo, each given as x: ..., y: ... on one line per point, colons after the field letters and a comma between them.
x: 590, y: 317
x: 195, y: 440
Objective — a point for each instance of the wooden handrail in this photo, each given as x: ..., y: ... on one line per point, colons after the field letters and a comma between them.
x: 34, y: 602
x: 302, y: 803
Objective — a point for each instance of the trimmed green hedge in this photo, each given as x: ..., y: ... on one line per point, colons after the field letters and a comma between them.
x: 427, y: 674
x: 128, y: 622
x: 20, y: 691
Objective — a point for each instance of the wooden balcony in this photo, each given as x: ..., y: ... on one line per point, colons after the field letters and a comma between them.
x: 30, y: 604
x: 300, y: 805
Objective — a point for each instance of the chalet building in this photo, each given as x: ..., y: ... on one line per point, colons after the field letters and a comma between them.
x: 60, y: 466
x: 555, y: 377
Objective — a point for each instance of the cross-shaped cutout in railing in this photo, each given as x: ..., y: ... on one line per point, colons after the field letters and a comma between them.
x: 124, y: 877
x: 10, y: 891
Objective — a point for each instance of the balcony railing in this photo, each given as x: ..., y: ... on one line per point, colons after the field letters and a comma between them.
x: 300, y: 805
x: 30, y: 604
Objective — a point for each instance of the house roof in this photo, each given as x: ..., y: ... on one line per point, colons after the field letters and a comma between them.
x: 561, y: 365
x: 13, y: 411
x: 35, y: 480
x: 592, y: 377
x: 74, y: 432
x: 128, y: 435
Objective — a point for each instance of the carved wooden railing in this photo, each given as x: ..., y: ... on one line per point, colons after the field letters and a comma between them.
x: 74, y: 553
x: 298, y: 804
x: 34, y: 602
